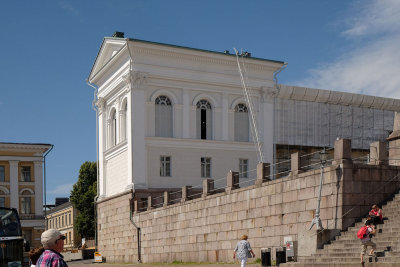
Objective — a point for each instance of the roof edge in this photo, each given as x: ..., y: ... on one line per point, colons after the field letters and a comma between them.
x: 198, y: 49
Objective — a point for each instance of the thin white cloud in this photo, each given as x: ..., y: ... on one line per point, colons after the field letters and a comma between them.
x: 71, y: 9
x: 62, y: 190
x: 373, y: 17
x: 373, y: 67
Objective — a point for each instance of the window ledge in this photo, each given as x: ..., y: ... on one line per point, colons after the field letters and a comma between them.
x: 116, y: 148
x: 27, y: 183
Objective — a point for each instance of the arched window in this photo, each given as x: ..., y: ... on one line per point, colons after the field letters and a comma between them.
x: 163, y: 116
x: 241, y: 123
x: 113, y: 128
x: 124, y: 120
x: 204, y: 120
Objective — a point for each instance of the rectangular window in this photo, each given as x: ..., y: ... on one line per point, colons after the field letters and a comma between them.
x: 69, y: 218
x: 26, y: 173
x: 205, y: 167
x: 165, y: 166
x: 70, y: 240
x: 26, y: 205
x: 62, y: 221
x: 2, y: 173
x: 2, y: 202
x: 243, y: 168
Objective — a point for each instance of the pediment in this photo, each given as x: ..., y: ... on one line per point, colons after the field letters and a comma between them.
x: 109, y: 48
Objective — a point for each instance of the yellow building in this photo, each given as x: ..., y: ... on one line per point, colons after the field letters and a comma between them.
x: 61, y: 218
x: 21, y: 185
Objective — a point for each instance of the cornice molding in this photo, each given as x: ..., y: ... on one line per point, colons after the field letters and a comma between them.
x: 203, y: 58
x: 116, y: 150
x: 198, y: 144
x: 269, y: 92
x: 21, y: 147
x: 101, y: 105
x: 138, y: 79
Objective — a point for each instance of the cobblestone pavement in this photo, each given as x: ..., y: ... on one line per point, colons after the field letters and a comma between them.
x: 89, y: 263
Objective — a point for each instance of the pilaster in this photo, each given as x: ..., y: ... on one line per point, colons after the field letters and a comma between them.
x: 138, y: 115
x: 38, y: 174
x: 225, y: 117
x: 14, y: 194
x: 185, y: 114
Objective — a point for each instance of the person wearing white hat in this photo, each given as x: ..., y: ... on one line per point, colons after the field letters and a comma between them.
x: 53, y: 243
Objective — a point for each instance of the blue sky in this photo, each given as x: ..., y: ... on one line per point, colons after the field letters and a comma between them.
x: 48, y: 48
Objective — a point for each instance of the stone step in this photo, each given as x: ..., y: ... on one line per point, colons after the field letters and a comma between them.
x: 387, y: 237
x: 357, y: 242
x: 347, y: 264
x: 345, y: 249
x: 392, y: 253
x: 349, y: 259
x: 342, y: 250
x: 354, y: 253
x: 331, y: 259
x: 390, y: 259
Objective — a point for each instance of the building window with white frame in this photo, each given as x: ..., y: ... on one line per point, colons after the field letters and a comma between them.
x: 2, y: 173
x: 205, y: 167
x: 163, y: 116
x: 243, y: 168
x: 165, y: 166
x: 26, y: 174
x: 204, y: 120
x: 26, y: 205
x: 241, y: 123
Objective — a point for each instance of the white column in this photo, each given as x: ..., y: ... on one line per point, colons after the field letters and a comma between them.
x: 151, y: 114
x: 225, y: 117
x: 177, y: 121
x: 109, y: 133
x: 185, y: 115
x: 122, y: 125
x: 129, y: 139
x: 38, y: 174
x: 217, y: 124
x: 139, y: 158
x: 102, y: 124
x: 14, y: 194
x: 192, y: 122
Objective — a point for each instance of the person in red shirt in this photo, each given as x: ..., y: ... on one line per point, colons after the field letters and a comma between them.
x: 376, y: 215
x: 366, y: 241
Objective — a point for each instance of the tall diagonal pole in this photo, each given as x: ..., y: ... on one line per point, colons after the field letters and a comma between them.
x: 317, y: 219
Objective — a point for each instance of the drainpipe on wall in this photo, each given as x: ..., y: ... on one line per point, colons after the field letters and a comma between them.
x: 273, y: 134
x: 134, y: 224
x: 44, y: 185
x: 97, y: 158
x: 133, y: 189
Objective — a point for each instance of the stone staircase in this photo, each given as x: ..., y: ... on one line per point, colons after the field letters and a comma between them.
x: 345, y: 249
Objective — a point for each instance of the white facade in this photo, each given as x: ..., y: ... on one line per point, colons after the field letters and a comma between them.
x: 162, y: 103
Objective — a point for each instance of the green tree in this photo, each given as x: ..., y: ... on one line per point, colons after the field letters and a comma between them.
x: 82, y: 197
